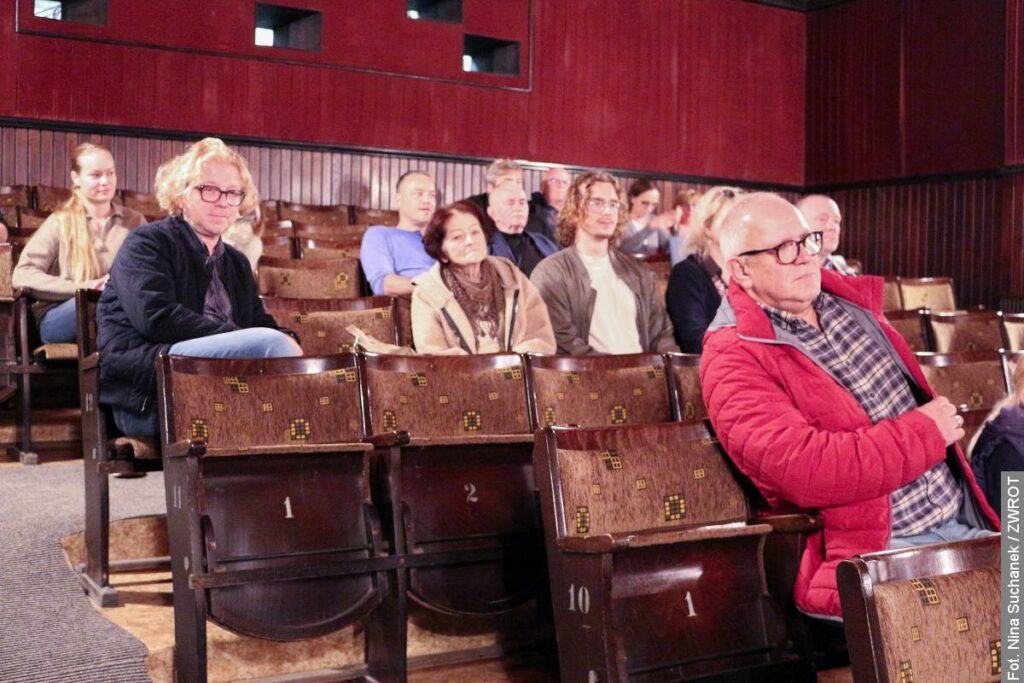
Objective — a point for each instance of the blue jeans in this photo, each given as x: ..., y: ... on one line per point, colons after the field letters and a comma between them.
x: 59, y: 324
x: 947, y: 533
x: 255, y: 342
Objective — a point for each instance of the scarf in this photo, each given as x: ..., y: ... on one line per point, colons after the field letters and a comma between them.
x: 480, y: 300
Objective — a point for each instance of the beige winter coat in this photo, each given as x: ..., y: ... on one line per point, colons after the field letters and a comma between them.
x: 440, y: 326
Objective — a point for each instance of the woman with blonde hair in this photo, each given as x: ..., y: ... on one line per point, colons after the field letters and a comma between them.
x: 177, y: 287
x: 999, y: 445
x: 696, y: 286
x: 75, y: 246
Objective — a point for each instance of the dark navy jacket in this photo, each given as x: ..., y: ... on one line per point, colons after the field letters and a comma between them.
x: 499, y: 247
x: 155, y: 298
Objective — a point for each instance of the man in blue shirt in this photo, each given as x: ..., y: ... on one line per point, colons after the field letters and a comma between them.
x: 392, y: 257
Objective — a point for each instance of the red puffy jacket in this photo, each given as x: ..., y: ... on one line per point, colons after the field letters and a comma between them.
x: 805, y: 441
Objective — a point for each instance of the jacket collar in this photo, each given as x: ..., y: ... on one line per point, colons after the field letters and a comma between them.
x: 739, y: 309
x: 433, y: 289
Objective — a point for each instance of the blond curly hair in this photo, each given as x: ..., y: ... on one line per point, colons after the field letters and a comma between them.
x: 177, y: 177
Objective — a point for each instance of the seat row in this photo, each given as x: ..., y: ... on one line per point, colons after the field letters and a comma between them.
x: 911, y: 294
x: 955, y: 331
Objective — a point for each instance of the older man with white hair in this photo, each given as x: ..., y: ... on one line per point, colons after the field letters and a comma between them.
x: 821, y: 403
x: 508, y: 208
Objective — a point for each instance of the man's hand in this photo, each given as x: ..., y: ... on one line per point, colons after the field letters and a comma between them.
x: 944, y: 415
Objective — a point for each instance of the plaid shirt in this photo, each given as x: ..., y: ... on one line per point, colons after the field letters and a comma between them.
x: 869, y: 372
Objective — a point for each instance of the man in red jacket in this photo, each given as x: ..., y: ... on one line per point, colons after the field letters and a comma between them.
x: 822, y: 404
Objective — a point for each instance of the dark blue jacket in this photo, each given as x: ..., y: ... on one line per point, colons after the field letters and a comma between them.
x: 1000, y: 448
x: 155, y: 298
x: 499, y: 247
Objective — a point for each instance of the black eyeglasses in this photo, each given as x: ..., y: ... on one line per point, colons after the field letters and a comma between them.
x: 211, y: 194
x: 789, y: 251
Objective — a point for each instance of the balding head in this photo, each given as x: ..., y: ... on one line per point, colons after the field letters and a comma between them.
x: 822, y: 213
x: 759, y: 223
x: 508, y: 208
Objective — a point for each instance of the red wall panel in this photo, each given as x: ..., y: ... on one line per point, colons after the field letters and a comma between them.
x: 1014, y: 132
x: 674, y: 86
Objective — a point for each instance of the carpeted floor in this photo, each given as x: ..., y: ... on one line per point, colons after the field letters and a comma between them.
x: 49, y: 631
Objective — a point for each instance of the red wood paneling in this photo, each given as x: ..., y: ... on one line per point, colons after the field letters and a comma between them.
x: 904, y: 87
x: 1014, y: 137
x: 677, y: 86
x: 948, y: 228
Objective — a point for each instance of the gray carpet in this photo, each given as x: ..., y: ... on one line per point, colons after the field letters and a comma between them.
x: 49, y: 631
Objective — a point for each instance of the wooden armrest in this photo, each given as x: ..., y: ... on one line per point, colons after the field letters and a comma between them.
x: 90, y: 362
x: 288, y: 449
x: 611, y: 542
x: 180, y: 449
x: 796, y: 523
x: 388, y: 439
x: 470, y: 440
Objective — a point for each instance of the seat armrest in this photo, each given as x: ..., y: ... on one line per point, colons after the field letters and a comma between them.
x: 180, y: 449
x: 483, y: 440
x: 388, y: 439
x: 796, y: 523
x: 605, y: 543
x: 287, y: 449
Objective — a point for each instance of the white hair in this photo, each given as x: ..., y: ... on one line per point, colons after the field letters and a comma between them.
x: 732, y: 238
x: 500, y: 168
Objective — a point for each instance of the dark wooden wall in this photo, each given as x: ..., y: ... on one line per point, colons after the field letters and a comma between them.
x: 711, y: 89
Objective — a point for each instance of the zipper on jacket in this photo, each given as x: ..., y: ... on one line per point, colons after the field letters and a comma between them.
x: 512, y: 319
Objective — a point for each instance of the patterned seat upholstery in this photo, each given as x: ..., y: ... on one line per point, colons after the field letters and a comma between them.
x: 278, y: 246
x: 327, y: 216
x: 594, y: 391
x: 911, y: 326
x: 684, y: 384
x: 933, y: 293
x: 316, y: 248
x: 972, y: 381
x: 322, y: 323
x: 924, y: 614
x: 967, y: 331
x: 891, y: 299
x: 272, y: 533
x: 648, y: 546
x: 309, y: 279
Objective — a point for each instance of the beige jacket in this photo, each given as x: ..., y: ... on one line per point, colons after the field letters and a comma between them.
x: 440, y: 326
x: 43, y: 270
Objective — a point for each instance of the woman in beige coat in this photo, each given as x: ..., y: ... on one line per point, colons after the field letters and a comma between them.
x: 469, y: 302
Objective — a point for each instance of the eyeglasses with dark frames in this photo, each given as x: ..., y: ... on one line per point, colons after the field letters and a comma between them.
x: 789, y: 251
x: 211, y: 194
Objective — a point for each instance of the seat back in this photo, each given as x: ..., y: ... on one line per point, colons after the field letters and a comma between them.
x: 375, y: 217
x: 312, y: 214
x: 595, y: 391
x: 268, y: 210
x: 309, y: 279
x: 15, y: 195
x: 891, y: 299
x: 144, y: 203
x: 1010, y: 360
x: 278, y: 246
x: 283, y: 486
x: 912, y: 326
x: 1013, y: 329
x: 277, y: 228
x: 447, y: 397
x: 321, y: 323
x: 924, y: 613
x: 972, y: 381
x: 957, y: 331
x: 637, y: 480
x: 48, y: 198
x: 933, y: 293
x: 684, y: 386
x: 350, y: 233
x: 310, y: 248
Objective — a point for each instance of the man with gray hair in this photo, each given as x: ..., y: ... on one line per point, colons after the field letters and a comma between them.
x: 500, y: 171
x: 508, y: 208
x: 822, y: 404
x: 822, y: 214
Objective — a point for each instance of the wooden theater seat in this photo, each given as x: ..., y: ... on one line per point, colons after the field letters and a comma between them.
x: 597, y: 391
x: 331, y: 232
x: 322, y: 323
x: 891, y: 298
x: 684, y: 386
x: 105, y: 451
x: 317, y: 248
x: 458, y: 499
x: 30, y: 219
x: 933, y: 293
x: 913, y: 327
x: 278, y: 246
x: 144, y: 203
x: 655, y: 573
x: 375, y: 217
x: 48, y: 198
x: 957, y: 331
x: 312, y: 214
x: 972, y: 381
x: 271, y: 529
x: 929, y: 613
x: 15, y: 195
x: 278, y: 228
x: 309, y: 279
x: 1013, y: 328
x: 268, y: 210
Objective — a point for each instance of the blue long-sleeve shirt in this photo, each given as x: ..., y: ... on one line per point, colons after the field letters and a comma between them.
x: 390, y: 251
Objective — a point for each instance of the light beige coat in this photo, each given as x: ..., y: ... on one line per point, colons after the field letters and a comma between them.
x: 440, y: 326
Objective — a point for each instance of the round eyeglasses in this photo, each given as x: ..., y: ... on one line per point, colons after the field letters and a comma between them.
x: 789, y: 251
x: 600, y: 205
x: 211, y: 194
